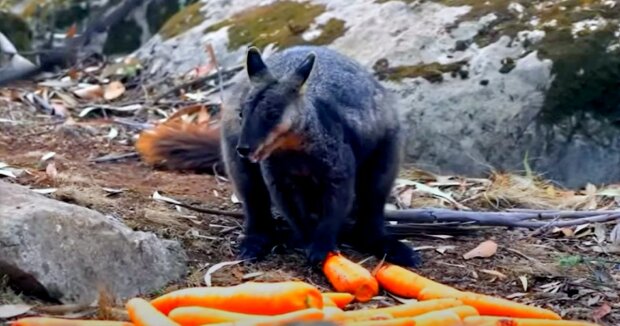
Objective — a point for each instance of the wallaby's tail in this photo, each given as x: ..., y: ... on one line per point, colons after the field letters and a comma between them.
x: 182, y: 146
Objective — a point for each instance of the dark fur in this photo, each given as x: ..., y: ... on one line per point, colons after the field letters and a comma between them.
x: 345, y: 167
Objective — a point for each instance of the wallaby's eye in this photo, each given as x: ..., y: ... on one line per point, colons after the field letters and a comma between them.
x: 240, y: 114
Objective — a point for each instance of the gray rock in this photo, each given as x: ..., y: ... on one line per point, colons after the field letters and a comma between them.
x: 71, y: 250
x: 486, y: 115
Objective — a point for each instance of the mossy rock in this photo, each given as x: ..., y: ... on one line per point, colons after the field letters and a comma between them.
x: 183, y: 20
x: 64, y: 12
x: 433, y: 72
x: 16, y: 30
x: 281, y: 23
x: 585, y: 73
x: 123, y: 38
x: 158, y: 12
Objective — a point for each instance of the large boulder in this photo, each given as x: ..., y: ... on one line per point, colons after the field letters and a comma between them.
x: 485, y: 84
x: 67, y: 252
x: 126, y: 31
x: 16, y: 30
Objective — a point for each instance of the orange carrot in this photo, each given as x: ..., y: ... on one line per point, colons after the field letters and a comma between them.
x: 347, y: 276
x: 441, y: 317
x: 404, y: 321
x: 283, y: 319
x: 405, y: 283
x: 507, y: 321
x: 48, y: 321
x: 250, y: 298
x: 463, y: 311
x: 333, y: 313
x: 408, y: 284
x: 403, y: 310
x: 194, y: 316
x: 341, y: 299
x: 142, y: 313
x: 494, y: 306
x: 327, y: 302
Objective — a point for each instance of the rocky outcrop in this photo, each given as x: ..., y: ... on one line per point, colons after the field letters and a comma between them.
x: 484, y: 84
x: 61, y: 251
x: 124, y: 35
x: 15, y: 29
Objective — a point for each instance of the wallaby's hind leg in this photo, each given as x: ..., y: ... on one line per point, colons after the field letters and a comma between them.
x: 373, y: 186
x: 248, y: 182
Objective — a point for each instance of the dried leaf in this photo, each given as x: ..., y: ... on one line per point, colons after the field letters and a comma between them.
x: 591, y: 203
x: 601, y: 311
x: 523, y: 280
x: 566, y: 231
x: 51, y: 170
x: 45, y: 191
x: 515, y: 295
x: 443, y: 249
x: 252, y: 275
x: 494, y: 273
x: 67, y: 99
x: 406, y: 196
x: 47, y: 156
x: 169, y: 200
x: 7, y: 173
x: 112, y: 134
x: 614, y: 235
x: 113, y: 90
x: 71, y: 31
x: 90, y: 92
x: 13, y: 310
x: 485, y: 249
x: 59, y: 108
x: 600, y: 232
x: 440, y: 236
x: 609, y: 192
x: 113, y: 190
x: 217, y: 267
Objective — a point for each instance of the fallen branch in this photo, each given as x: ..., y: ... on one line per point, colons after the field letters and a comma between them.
x: 413, y: 219
x: 507, y: 219
x: 211, y: 211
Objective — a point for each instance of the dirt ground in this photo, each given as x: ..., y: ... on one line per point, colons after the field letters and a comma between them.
x: 530, y: 268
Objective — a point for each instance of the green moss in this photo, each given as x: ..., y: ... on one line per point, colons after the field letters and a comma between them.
x: 183, y: 20
x: 432, y: 72
x: 16, y: 30
x: 587, y: 78
x: 124, y: 38
x: 281, y: 23
x: 157, y: 13
x: 330, y: 31
x: 585, y: 75
x: 61, y: 13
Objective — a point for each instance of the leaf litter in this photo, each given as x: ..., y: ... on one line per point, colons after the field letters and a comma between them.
x: 83, y: 118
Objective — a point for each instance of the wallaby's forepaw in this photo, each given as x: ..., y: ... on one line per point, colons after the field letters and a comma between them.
x: 254, y: 247
x: 400, y: 254
x: 317, y: 253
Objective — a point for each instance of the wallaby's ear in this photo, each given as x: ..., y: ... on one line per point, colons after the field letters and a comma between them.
x: 301, y: 74
x: 256, y: 68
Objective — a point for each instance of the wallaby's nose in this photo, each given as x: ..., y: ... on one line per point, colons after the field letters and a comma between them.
x: 243, y: 151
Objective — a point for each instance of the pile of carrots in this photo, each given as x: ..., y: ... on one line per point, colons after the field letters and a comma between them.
x: 279, y: 303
